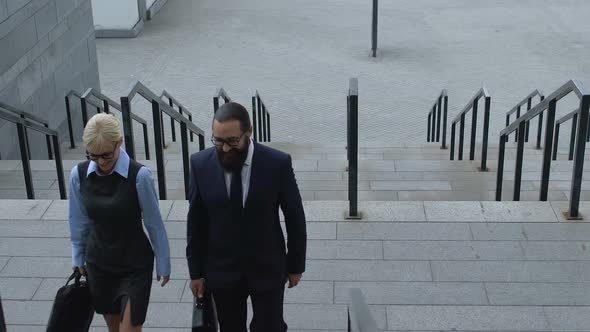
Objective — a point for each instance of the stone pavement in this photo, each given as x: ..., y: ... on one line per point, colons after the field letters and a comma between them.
x: 300, y: 55
x: 444, y: 266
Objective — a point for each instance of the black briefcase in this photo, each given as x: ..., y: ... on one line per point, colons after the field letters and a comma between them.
x: 204, y: 314
x: 72, y: 309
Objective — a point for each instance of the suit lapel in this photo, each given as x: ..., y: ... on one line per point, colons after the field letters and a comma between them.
x: 220, y: 178
x: 254, y: 168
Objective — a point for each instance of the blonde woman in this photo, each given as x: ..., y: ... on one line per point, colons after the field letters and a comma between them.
x: 110, y: 194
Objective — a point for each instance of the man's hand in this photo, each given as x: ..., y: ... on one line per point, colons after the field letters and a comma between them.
x: 198, y: 287
x: 165, y: 280
x: 81, y: 269
x: 294, y: 280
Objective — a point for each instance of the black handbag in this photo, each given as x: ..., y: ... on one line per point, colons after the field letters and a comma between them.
x: 204, y: 314
x: 72, y: 309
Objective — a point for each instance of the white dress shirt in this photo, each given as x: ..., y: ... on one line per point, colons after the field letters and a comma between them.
x: 246, y: 170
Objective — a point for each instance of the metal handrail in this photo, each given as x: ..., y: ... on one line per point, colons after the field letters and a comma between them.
x: 352, y: 110
x: 220, y: 93
x: 433, y: 134
x: 107, y: 103
x: 528, y: 100
x: 74, y: 93
x: 360, y: 318
x: 21, y: 125
x: 181, y: 109
x: 472, y: 105
x: 572, y: 115
x: 260, y: 119
x: 549, y: 104
x: 159, y: 106
x: 25, y: 115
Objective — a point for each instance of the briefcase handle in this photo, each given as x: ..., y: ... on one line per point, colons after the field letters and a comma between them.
x: 76, y: 275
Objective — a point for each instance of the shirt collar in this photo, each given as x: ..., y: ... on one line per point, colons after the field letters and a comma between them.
x: 248, y: 161
x: 121, y: 167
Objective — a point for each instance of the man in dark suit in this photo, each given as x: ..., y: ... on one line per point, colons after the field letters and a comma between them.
x: 236, y: 246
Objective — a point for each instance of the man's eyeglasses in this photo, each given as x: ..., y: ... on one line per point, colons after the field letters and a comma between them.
x: 231, y: 141
x: 104, y: 156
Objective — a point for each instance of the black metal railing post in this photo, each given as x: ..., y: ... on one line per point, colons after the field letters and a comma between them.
x: 215, y: 104
x: 254, y: 118
x: 500, y: 174
x: 127, y: 127
x: 352, y: 147
x: 185, y: 158
x: 546, y: 169
x: 519, y: 159
x: 428, y: 128
x: 473, y: 129
x: 453, y: 141
x: 486, y: 130
x: 580, y: 150
x: 374, y: 28
x: 48, y: 142
x: 438, y: 119
x: 70, y: 127
x: 201, y: 142
x: 25, y: 159
x: 268, y: 126
x: 146, y: 141
x: 517, y: 116
x: 259, y: 108
x: 444, y: 130
x: 556, y: 140
x: 433, y: 128
x: 461, y: 135
x: 190, y: 118
x: 540, y: 127
x: 60, y: 169
x: 105, y: 107
x: 263, y: 123
x: 172, y: 126
x: 529, y: 104
x: 84, y: 108
x: 158, y: 140
x: 570, y: 155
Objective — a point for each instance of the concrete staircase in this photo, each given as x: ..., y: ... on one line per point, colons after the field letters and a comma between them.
x: 429, y: 263
x: 399, y: 173
x: 422, y: 266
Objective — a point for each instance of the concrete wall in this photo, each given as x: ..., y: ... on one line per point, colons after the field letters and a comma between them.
x: 115, y: 14
x: 47, y: 47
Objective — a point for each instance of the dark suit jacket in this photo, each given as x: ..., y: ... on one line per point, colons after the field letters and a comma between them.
x: 223, y: 250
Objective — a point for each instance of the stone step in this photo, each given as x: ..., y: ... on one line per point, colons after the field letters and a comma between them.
x: 472, y: 265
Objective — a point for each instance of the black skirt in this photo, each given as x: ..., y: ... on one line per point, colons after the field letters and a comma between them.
x: 111, y: 290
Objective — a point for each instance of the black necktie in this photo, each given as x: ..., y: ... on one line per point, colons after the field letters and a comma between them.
x: 236, y: 196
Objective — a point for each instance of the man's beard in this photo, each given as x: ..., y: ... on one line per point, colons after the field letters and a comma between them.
x: 233, y: 160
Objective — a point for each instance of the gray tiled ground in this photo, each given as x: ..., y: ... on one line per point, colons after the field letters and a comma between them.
x: 424, y: 46
x: 487, y: 267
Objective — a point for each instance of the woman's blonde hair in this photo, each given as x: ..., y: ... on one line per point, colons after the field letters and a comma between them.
x: 102, y: 132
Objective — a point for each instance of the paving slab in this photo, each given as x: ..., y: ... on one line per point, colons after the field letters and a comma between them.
x: 528, y: 231
x: 411, y: 185
x: 23, y: 209
x: 3, y: 261
x: 556, y: 250
x: 568, y: 318
x: 433, y: 166
x: 19, y: 312
x: 363, y: 270
x: 539, y: 294
x: 518, y: 211
x: 344, y: 249
x: 37, y: 247
x: 403, y: 231
x: 389, y: 176
x: 34, y: 229
x: 454, y: 211
x: 459, y: 318
x: 512, y: 271
x: 18, y: 288
x: 435, y: 293
x: 453, y: 250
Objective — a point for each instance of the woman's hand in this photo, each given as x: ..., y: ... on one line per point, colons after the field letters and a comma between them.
x: 164, y: 279
x: 81, y: 269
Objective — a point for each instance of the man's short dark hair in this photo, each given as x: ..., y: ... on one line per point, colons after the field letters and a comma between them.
x: 233, y: 111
